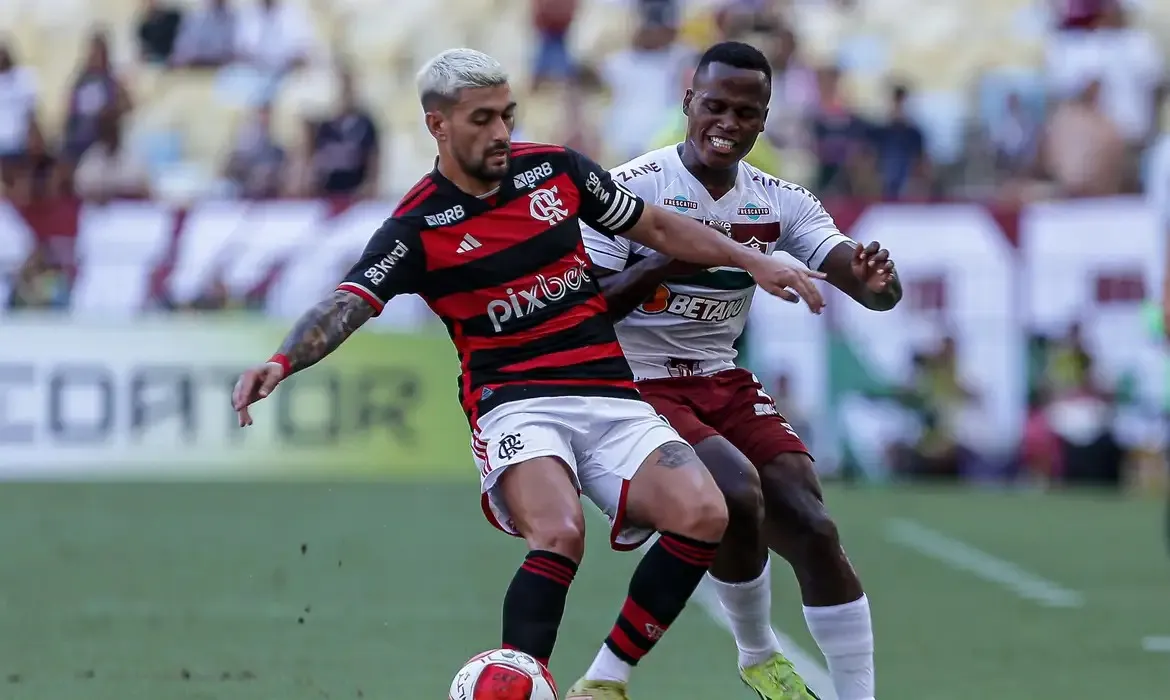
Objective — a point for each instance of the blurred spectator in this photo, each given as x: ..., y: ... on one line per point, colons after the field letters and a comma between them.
x: 39, y: 284
x: 794, y: 92
x: 643, y: 86
x: 900, y: 149
x: 207, y: 36
x: 1082, y: 418
x: 1014, y: 138
x: 256, y: 166
x: 19, y: 132
x: 1101, y: 44
x: 839, y: 137
x: 552, y: 20
x: 273, y: 35
x: 939, y: 397
x: 346, y: 157
x: 109, y: 170
x: 660, y: 13
x: 1082, y: 149
x: 157, y: 29
x: 97, y: 95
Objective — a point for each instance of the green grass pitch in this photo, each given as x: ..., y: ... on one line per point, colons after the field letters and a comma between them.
x: 202, y: 591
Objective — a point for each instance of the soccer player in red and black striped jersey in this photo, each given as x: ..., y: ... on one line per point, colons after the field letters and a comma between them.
x: 491, y: 240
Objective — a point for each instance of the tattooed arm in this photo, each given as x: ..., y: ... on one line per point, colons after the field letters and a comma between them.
x: 392, y: 264
x: 323, y: 328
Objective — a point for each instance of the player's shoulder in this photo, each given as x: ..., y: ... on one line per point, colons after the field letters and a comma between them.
x: 772, y: 188
x: 425, y: 206
x: 527, y: 155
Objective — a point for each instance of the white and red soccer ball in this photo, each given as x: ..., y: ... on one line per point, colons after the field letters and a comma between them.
x: 503, y: 674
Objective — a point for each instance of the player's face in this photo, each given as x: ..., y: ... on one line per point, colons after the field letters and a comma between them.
x: 725, y: 111
x: 479, y: 132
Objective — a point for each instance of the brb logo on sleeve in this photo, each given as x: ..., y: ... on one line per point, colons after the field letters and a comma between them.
x: 546, y: 205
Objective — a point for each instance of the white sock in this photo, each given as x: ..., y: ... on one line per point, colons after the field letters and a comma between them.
x: 749, y: 609
x: 845, y: 635
x: 608, y: 667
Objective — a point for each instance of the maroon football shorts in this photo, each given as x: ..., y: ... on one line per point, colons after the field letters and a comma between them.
x: 731, y: 403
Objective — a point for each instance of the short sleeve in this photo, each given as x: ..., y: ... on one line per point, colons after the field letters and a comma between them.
x: 606, y: 206
x: 392, y: 264
x: 609, y: 252
x: 809, y: 232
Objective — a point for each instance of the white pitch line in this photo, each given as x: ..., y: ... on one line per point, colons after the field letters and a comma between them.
x: 963, y: 557
x: 1156, y: 644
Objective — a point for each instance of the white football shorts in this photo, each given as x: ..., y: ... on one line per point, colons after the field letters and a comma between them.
x: 602, y: 440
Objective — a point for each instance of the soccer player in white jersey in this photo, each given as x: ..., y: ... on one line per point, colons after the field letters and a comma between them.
x: 677, y: 330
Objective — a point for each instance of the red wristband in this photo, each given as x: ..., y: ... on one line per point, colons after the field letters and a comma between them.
x: 283, y: 362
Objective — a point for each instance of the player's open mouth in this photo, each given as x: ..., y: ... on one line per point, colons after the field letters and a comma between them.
x: 721, y: 144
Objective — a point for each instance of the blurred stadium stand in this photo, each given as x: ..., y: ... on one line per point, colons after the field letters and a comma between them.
x: 961, y: 56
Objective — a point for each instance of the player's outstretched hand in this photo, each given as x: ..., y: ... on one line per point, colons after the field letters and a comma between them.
x: 789, y: 283
x: 255, y: 384
x: 871, y: 264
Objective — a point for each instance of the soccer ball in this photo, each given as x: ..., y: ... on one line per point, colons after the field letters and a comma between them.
x: 503, y: 674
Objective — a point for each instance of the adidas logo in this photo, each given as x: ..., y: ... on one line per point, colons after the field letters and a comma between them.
x: 469, y: 243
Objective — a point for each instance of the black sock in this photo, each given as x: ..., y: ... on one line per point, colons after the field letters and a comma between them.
x: 535, y: 603
x: 663, y: 582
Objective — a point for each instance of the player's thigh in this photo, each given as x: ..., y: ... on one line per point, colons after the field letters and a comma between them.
x: 642, y: 475
x: 528, y: 473
x: 542, y: 499
x: 750, y: 421
x: 736, y: 477
x: 673, y: 491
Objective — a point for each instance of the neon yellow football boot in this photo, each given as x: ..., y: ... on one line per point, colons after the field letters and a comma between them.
x: 597, y: 690
x: 776, y: 679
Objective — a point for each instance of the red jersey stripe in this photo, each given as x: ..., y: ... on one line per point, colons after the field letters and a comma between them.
x: 528, y: 148
x: 478, y: 237
x: 415, y: 189
x: 566, y: 358
x: 563, y: 322
x: 405, y: 207
x: 566, y: 274
x: 370, y: 297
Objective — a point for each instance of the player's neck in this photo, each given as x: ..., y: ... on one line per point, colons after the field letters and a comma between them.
x: 466, y: 183
x: 716, y: 182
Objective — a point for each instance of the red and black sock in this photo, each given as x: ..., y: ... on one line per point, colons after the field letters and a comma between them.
x: 535, y: 603
x: 663, y: 582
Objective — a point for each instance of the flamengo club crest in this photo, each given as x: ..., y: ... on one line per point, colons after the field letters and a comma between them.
x: 545, y: 205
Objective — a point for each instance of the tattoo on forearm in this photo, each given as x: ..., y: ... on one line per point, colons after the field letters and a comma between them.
x: 675, y: 454
x: 323, y: 328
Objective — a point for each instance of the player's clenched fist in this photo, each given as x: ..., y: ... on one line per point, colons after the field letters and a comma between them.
x: 255, y: 384
x: 789, y: 283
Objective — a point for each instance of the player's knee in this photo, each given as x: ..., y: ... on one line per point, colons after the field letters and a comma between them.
x: 792, y: 496
x: 564, y: 535
x: 745, y: 500
x: 704, y: 517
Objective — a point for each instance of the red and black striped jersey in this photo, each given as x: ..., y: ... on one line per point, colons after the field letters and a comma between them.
x: 509, y: 276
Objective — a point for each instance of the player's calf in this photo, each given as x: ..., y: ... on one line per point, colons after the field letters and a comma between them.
x: 799, y: 528
x: 672, y: 492
x: 545, y: 509
x: 743, y: 553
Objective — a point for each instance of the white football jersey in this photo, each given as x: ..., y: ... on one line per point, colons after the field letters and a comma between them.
x: 691, y: 323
